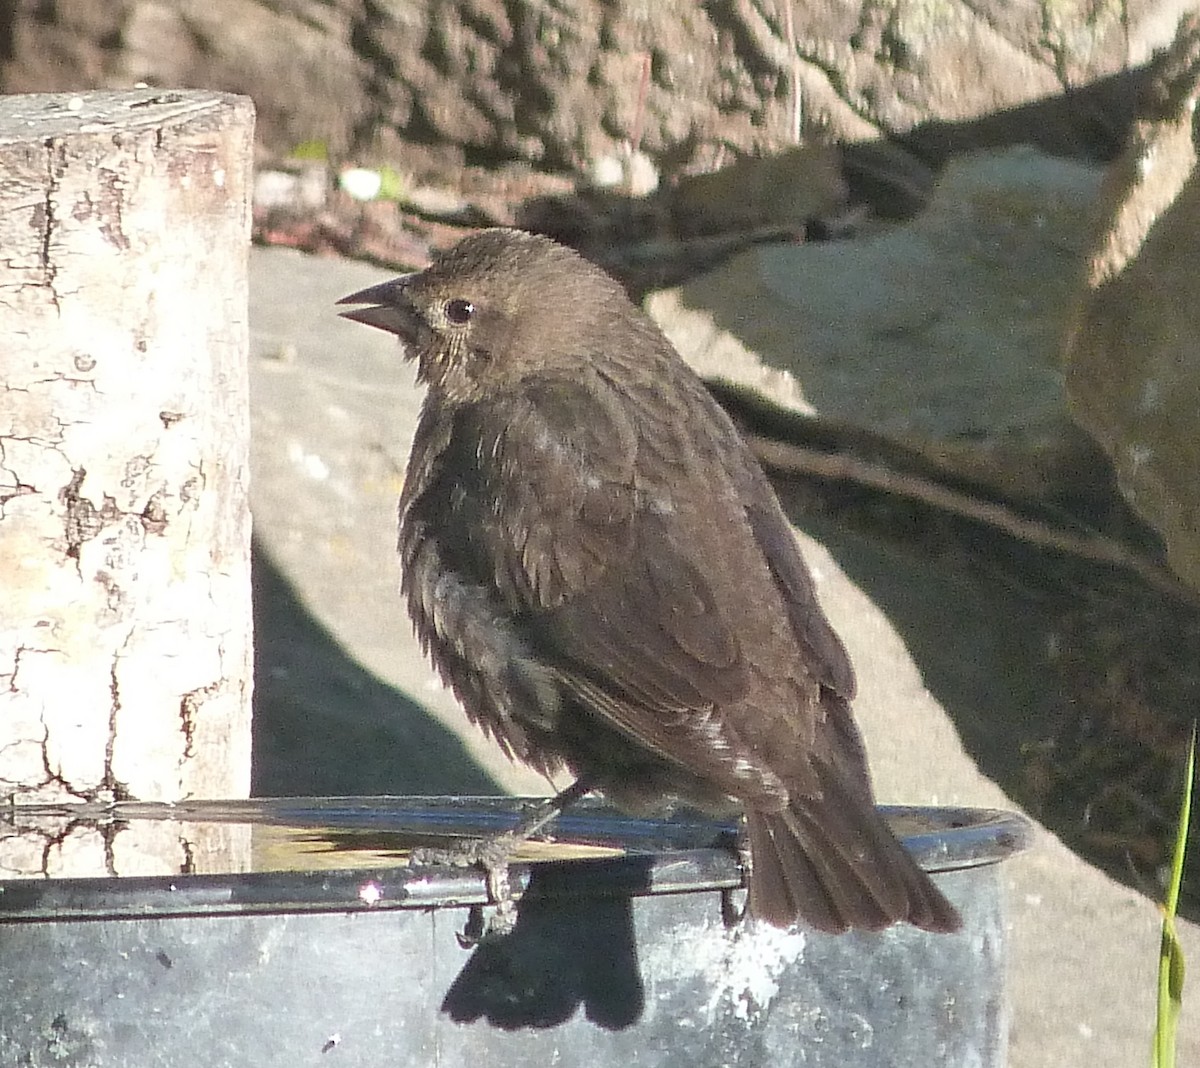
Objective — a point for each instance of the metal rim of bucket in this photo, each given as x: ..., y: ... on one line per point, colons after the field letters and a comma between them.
x: 680, y: 852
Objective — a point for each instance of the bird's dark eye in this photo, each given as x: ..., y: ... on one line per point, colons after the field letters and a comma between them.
x: 459, y: 311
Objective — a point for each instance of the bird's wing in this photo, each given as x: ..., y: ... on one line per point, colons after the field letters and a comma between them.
x: 649, y: 648
x: 591, y: 556
x: 812, y: 630
x: 651, y: 596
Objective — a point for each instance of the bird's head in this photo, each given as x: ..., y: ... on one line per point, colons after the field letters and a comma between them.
x: 498, y: 305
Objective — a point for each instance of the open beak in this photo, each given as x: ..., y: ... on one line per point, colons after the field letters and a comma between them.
x: 389, y: 308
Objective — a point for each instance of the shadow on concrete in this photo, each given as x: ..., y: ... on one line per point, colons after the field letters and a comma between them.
x: 325, y: 726
x: 1071, y: 683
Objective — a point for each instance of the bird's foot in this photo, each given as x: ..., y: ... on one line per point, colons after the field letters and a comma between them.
x: 487, y: 853
x: 492, y: 854
x: 734, y: 902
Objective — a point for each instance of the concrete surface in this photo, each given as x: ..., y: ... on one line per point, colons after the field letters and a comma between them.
x: 347, y: 704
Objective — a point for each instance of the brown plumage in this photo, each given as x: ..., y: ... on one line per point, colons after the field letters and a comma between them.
x: 599, y: 568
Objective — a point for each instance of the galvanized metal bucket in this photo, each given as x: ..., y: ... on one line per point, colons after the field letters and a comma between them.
x: 623, y: 959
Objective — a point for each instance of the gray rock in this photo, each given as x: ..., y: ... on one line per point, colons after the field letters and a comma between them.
x: 430, y: 84
x: 1133, y: 361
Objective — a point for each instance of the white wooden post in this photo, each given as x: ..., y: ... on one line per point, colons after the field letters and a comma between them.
x: 125, y: 623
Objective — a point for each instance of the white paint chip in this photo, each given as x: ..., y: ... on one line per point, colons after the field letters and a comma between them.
x: 741, y: 967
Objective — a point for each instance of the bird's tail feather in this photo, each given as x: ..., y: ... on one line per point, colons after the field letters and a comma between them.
x: 834, y: 863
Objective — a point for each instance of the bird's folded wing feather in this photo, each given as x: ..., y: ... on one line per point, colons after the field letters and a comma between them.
x: 618, y: 585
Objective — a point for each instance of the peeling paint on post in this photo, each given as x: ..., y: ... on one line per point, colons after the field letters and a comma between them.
x: 125, y: 624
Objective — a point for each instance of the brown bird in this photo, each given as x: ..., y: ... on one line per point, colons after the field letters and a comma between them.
x: 600, y: 570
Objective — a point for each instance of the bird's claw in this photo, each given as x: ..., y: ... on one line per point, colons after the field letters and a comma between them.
x: 734, y: 902
x: 492, y: 855
x: 486, y: 853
